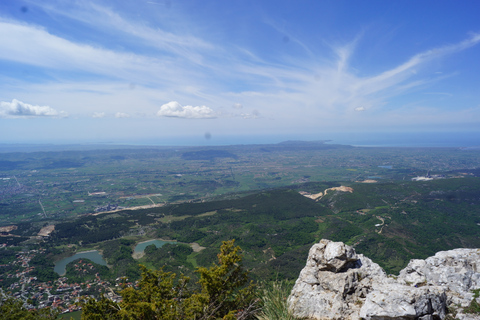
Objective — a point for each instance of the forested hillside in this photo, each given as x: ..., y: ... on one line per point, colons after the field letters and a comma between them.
x: 390, y: 222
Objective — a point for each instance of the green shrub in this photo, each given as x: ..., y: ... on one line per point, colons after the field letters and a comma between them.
x: 223, y: 292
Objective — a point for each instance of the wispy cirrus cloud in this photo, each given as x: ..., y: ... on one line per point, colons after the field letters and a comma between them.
x: 108, y: 21
x: 56, y: 53
x: 404, y: 71
x: 335, y: 87
x: 19, y: 109
x: 187, y: 67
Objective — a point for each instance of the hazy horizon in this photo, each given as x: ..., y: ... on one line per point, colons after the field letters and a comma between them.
x: 379, y: 139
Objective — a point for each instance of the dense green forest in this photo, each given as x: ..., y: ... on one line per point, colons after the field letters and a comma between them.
x: 390, y: 222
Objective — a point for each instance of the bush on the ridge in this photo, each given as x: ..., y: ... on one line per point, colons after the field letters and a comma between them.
x: 224, y: 293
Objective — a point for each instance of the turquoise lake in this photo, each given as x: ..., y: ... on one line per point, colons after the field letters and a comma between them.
x: 93, y: 255
x: 142, y: 245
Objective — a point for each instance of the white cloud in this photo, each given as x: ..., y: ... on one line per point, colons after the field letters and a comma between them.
x: 98, y: 115
x: 334, y: 87
x: 401, y: 73
x: 318, y: 86
x: 122, y: 115
x: 19, y: 109
x: 57, y: 53
x: 176, y: 110
x: 108, y: 20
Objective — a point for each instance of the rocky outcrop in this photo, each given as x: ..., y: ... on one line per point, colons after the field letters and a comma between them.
x: 334, y: 282
x: 337, y: 283
x: 457, y: 271
x: 396, y: 301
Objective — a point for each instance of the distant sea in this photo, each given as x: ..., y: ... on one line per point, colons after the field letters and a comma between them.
x: 364, y: 139
x: 422, y: 139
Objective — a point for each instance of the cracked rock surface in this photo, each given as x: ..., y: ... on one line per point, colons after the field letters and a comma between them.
x: 338, y: 283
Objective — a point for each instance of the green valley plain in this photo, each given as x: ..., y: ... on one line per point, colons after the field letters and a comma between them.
x: 391, y: 204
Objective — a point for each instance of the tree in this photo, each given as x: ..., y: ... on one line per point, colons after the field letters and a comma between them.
x: 223, y: 292
x: 224, y: 286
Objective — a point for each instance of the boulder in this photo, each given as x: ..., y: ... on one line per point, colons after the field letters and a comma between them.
x: 338, y: 283
x: 334, y: 282
x: 457, y: 271
x: 396, y: 301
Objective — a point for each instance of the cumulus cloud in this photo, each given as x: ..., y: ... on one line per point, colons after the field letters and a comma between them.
x: 19, y: 109
x: 359, y: 109
x: 237, y: 106
x: 176, y: 110
x: 98, y: 115
x: 122, y: 115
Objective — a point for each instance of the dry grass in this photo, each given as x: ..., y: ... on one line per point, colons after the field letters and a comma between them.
x: 274, y: 300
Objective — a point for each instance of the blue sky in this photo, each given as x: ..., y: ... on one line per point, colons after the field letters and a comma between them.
x: 203, y: 71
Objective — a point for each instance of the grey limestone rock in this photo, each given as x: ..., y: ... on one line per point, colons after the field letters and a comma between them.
x: 334, y: 282
x: 337, y: 283
x: 456, y: 271
x: 396, y: 301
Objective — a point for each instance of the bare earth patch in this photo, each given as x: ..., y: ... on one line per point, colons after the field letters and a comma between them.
x: 341, y: 188
x: 314, y: 196
x: 138, y: 255
x: 367, y: 181
x: 196, y: 247
x: 45, y: 231
x: 8, y: 228
x: 318, y: 196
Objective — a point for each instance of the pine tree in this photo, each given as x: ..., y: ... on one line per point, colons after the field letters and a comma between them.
x: 224, y: 292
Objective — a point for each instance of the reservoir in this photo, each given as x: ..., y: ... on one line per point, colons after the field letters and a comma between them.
x: 93, y: 255
x: 142, y: 245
